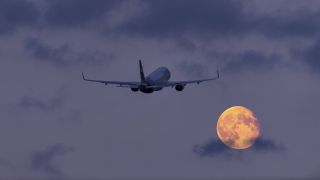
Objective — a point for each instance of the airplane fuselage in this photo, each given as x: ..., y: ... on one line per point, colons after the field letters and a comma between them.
x: 158, y: 77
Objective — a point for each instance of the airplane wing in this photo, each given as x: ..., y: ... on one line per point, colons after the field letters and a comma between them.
x: 119, y: 83
x: 174, y: 83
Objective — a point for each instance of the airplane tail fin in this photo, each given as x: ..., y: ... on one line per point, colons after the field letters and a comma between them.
x: 142, y: 78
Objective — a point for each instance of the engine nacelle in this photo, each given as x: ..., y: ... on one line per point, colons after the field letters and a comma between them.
x: 179, y: 87
x: 134, y: 89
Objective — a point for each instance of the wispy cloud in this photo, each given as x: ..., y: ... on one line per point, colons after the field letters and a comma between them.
x: 64, y: 55
x: 44, y: 52
x: 45, y: 160
x: 247, y: 60
x: 52, y: 104
x: 193, y: 69
x: 56, y: 106
x: 309, y: 55
x: 250, y: 60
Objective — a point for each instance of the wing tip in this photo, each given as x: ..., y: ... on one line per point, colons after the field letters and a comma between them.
x: 83, y: 76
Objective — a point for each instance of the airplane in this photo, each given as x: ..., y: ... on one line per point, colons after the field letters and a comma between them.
x: 155, y: 81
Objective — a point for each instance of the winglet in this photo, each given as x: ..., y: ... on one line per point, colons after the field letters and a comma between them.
x: 218, y: 74
x: 83, y: 77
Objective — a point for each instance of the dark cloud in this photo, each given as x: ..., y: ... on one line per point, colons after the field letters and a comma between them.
x: 173, y: 18
x: 180, y: 18
x: 229, y: 62
x: 14, y: 13
x: 76, y: 13
x: 215, y: 148
x: 309, y: 55
x: 249, y: 60
x: 45, y: 160
x: 176, y: 19
x: 296, y: 23
x: 267, y: 145
x: 63, y: 55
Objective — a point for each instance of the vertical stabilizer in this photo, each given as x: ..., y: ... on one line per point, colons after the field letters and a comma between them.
x: 142, y: 78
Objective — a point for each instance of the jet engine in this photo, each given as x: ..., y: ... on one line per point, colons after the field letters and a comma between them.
x: 134, y: 89
x: 179, y: 87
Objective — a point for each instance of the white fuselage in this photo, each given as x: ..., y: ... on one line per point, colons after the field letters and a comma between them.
x: 159, y: 76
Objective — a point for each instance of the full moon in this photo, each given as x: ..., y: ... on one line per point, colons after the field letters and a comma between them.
x: 238, y: 127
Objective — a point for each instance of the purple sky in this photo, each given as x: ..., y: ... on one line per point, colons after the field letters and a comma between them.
x: 56, y: 126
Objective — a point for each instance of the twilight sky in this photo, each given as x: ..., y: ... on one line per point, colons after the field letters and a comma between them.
x: 53, y: 125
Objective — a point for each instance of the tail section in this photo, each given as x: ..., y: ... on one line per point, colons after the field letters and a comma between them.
x: 142, y: 78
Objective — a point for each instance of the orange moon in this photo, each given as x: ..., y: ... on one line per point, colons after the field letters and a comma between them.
x: 238, y: 127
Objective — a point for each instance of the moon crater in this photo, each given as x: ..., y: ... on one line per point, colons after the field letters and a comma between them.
x: 238, y: 127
